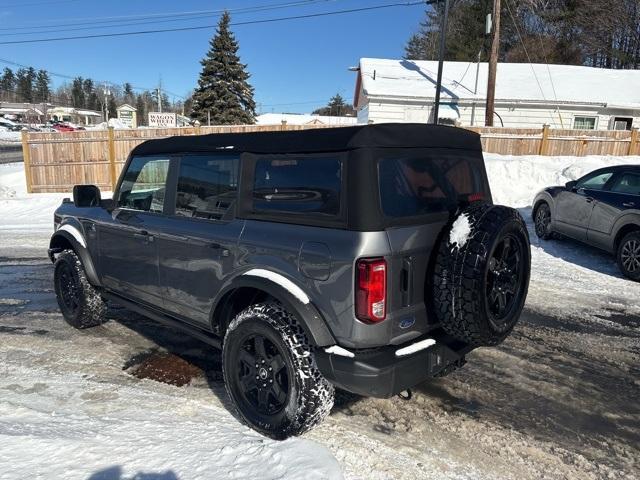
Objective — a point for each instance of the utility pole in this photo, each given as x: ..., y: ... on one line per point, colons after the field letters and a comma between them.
x: 443, y: 38
x: 160, y: 96
x: 493, y: 65
x: 107, y: 92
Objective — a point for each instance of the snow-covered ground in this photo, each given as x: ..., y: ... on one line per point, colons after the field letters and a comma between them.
x: 559, y: 399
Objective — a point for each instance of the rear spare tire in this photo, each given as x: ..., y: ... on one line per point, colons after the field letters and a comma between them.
x: 481, y: 275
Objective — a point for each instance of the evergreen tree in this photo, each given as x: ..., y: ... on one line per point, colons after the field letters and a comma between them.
x: 129, y: 96
x: 112, y: 107
x: 24, y: 84
x: 91, y: 95
x: 7, y: 84
x: 223, y: 89
x: 77, y: 93
x: 337, y: 107
x: 42, y: 88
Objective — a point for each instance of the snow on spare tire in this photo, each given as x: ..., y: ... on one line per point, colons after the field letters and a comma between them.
x: 481, y: 275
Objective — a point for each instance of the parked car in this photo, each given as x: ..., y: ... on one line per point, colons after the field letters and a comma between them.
x: 63, y: 127
x: 601, y: 209
x: 368, y: 258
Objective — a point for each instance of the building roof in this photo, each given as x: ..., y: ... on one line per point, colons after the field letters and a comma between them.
x: 303, y: 119
x: 418, y: 135
x: 551, y: 84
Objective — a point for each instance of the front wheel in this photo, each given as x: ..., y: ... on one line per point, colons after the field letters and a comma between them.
x: 271, y: 375
x: 80, y: 303
x: 628, y: 255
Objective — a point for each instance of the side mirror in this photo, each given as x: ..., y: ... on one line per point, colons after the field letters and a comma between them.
x: 86, y: 196
x: 570, y: 185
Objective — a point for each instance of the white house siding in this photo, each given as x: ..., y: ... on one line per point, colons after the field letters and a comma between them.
x: 513, y: 115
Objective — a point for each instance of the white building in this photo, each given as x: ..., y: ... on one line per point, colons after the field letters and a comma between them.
x: 527, y: 95
x: 303, y: 119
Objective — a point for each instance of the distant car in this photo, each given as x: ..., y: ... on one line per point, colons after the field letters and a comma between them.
x: 601, y: 209
x: 63, y: 127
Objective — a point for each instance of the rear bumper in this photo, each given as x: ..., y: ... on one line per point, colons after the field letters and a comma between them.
x: 381, y: 373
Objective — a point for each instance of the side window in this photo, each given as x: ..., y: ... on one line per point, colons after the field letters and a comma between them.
x: 143, y: 187
x: 207, y: 186
x: 628, y: 183
x: 594, y: 181
x: 298, y: 185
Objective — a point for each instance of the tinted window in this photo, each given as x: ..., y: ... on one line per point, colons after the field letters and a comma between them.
x: 417, y: 185
x: 627, y: 183
x: 298, y: 185
x: 143, y: 187
x: 594, y: 181
x: 207, y: 186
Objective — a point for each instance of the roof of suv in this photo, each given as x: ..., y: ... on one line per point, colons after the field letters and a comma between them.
x: 399, y: 135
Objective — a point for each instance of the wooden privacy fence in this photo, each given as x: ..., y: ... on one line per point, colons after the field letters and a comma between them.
x: 55, y: 162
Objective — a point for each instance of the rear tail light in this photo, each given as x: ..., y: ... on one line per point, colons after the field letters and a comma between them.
x: 371, y: 289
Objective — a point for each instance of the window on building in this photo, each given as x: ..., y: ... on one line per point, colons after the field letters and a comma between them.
x: 298, y: 185
x: 584, y: 123
x: 207, y: 186
x: 622, y: 123
x: 143, y: 187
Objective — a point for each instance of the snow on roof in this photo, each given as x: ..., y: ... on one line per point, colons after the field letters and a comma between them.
x: 127, y: 107
x: 89, y: 113
x: 515, y: 81
x: 303, y: 119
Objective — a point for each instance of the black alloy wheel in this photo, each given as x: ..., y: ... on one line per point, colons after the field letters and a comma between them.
x: 69, y: 288
x: 542, y: 221
x: 505, y: 275
x: 263, y: 375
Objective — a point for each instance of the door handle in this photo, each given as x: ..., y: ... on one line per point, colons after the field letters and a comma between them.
x: 629, y: 204
x: 143, y: 235
x: 216, y: 246
x: 589, y: 199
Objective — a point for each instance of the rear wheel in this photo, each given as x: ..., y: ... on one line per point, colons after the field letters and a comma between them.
x: 480, y: 284
x: 628, y: 255
x: 271, y: 375
x: 80, y: 303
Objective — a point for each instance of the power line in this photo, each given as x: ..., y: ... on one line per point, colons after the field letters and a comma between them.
x: 163, y: 17
x: 207, y: 27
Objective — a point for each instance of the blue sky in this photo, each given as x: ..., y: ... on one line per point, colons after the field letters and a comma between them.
x: 296, y: 65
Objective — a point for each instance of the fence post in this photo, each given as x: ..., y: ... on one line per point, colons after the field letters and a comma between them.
x: 26, y: 156
x: 634, y: 140
x: 544, y: 144
x: 112, y: 158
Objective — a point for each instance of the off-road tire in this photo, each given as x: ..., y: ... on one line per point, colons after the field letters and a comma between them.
x: 310, y: 396
x: 542, y: 221
x: 463, y: 274
x: 628, y: 255
x: 90, y: 308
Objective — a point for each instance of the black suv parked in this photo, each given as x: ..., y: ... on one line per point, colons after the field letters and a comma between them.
x: 601, y: 209
x: 367, y: 258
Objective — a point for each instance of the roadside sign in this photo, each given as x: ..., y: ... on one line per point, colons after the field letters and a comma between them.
x: 162, y: 120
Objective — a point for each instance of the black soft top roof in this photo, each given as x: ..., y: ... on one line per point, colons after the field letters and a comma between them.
x: 398, y: 135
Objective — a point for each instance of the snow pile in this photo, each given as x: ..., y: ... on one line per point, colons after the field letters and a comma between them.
x: 113, y: 122
x: 460, y: 231
x: 515, y: 180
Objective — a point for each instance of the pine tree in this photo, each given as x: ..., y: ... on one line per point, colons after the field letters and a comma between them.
x: 112, y: 107
x: 223, y: 89
x: 337, y: 107
x: 129, y: 96
x: 24, y: 84
x: 7, y: 84
x: 42, y: 87
x: 77, y: 93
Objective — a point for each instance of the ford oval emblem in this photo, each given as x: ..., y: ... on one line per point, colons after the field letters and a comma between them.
x: 407, y: 322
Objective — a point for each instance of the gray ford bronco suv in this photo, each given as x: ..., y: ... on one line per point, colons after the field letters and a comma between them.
x: 366, y: 258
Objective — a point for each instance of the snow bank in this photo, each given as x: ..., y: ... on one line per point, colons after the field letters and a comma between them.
x: 516, y: 179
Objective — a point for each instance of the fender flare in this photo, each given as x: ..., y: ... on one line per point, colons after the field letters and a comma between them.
x: 72, y: 235
x: 290, y: 295
x: 626, y: 219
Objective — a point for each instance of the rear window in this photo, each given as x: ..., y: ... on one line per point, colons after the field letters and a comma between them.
x: 412, y: 185
x: 301, y: 185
